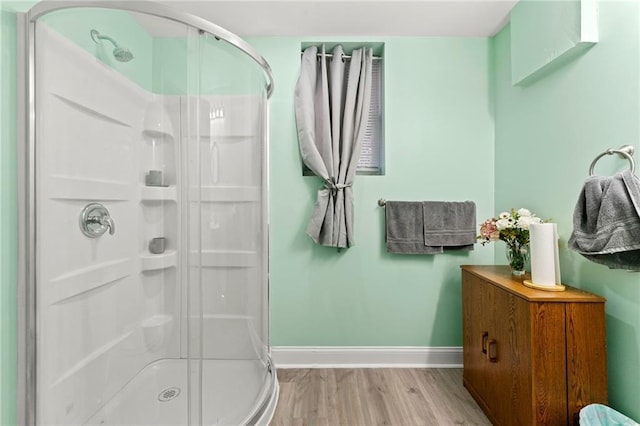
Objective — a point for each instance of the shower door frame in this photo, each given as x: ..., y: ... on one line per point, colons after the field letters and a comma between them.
x: 26, y: 108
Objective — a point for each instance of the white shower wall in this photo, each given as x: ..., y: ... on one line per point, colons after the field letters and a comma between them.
x: 107, y: 307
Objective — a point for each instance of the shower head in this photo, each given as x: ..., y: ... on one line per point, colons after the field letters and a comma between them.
x: 122, y: 54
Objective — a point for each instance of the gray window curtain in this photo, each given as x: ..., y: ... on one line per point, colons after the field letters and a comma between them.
x: 332, y: 99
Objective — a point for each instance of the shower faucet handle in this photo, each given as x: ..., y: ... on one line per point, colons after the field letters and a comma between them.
x: 108, y: 222
x: 95, y: 220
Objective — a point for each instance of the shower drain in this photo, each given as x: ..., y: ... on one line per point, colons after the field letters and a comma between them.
x: 168, y: 394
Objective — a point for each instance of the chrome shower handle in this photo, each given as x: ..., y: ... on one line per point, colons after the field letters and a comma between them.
x: 95, y: 220
x: 108, y: 222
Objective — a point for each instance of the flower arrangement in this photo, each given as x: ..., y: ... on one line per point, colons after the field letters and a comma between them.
x: 512, y: 228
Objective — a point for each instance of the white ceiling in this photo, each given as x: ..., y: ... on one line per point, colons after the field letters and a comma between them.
x: 468, y: 18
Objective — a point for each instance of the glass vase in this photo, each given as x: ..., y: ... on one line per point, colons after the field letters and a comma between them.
x: 517, y: 256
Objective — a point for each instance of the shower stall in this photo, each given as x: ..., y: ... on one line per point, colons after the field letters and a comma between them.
x: 143, y: 220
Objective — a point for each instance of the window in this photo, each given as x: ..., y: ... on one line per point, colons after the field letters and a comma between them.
x: 371, y: 160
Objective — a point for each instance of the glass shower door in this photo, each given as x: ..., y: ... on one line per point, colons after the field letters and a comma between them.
x: 228, y: 222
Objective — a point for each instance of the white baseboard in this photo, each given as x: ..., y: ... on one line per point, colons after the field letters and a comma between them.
x: 367, y: 357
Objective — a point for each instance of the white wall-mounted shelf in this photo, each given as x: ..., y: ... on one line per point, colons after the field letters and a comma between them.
x: 226, y: 258
x: 227, y: 138
x: 159, y: 193
x: 226, y: 194
x: 153, y: 262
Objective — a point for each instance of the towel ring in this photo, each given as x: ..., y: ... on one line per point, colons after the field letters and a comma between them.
x: 625, y: 151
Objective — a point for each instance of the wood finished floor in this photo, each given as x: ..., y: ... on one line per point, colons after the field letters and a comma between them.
x: 368, y: 396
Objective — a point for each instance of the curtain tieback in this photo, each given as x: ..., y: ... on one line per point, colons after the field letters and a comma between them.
x: 335, y: 187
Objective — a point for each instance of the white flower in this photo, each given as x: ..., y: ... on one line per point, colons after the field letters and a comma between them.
x: 504, y: 215
x: 525, y: 221
x: 524, y: 212
x: 504, y: 223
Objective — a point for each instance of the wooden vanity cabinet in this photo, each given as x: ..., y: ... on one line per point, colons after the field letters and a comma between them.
x: 531, y: 357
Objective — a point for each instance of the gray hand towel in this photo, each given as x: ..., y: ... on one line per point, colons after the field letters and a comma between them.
x: 606, y: 221
x: 451, y: 225
x: 405, y: 228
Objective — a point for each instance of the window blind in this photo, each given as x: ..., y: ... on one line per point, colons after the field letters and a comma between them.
x: 371, y: 153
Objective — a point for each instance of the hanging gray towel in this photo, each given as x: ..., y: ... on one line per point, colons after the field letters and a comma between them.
x: 405, y: 228
x: 451, y: 225
x: 606, y: 221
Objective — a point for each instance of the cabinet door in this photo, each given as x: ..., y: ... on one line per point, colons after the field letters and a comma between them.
x: 548, y: 364
x: 586, y: 357
x: 475, y: 332
x: 509, y: 359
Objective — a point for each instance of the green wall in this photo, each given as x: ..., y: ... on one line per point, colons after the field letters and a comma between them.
x: 547, y: 134
x: 439, y: 146
x: 8, y: 217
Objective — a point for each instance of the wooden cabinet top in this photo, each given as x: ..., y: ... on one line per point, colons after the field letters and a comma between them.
x: 500, y: 275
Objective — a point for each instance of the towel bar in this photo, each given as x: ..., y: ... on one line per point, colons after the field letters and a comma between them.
x: 382, y: 202
x: 625, y: 151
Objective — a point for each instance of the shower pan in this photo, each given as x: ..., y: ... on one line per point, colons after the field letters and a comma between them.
x: 143, y: 220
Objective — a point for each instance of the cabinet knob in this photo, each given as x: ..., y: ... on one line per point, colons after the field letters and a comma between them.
x: 492, y: 352
x: 485, y: 337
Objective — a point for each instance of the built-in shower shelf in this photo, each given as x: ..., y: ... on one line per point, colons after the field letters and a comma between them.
x: 153, y: 262
x: 159, y: 193
x: 227, y: 138
x: 226, y: 258
x: 226, y: 194
x: 152, y: 135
